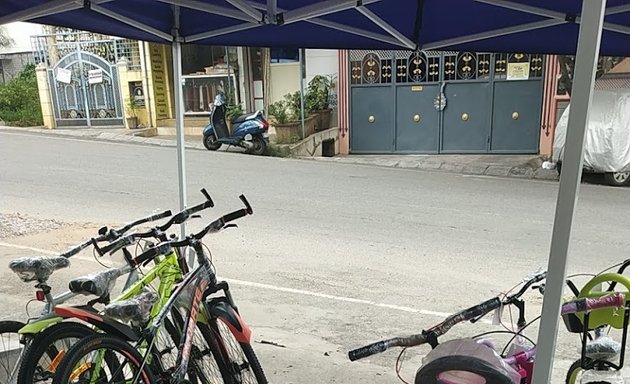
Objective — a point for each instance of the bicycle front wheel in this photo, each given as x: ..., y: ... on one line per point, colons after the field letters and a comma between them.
x: 243, y: 366
x: 103, y: 359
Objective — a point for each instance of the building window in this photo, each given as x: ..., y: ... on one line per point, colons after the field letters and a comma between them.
x: 285, y: 55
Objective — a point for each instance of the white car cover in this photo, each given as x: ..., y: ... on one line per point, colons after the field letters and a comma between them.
x: 607, y: 143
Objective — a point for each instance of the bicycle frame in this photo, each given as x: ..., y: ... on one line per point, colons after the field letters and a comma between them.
x: 198, y: 280
x: 167, y: 270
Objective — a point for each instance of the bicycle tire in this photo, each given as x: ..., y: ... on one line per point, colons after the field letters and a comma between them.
x: 243, y: 365
x: 8, y: 328
x: 198, y: 374
x: 87, y: 345
x: 575, y: 369
x: 44, y: 345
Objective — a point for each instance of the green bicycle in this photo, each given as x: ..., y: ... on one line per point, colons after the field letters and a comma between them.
x: 53, y: 336
x: 39, y: 270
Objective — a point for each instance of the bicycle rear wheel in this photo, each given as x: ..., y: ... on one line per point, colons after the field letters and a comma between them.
x: 10, y: 349
x: 46, y: 350
x: 102, y: 358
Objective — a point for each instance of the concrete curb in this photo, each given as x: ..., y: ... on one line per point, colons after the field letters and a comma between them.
x: 115, y: 137
x: 522, y: 171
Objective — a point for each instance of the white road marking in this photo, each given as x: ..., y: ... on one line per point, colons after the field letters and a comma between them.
x: 270, y: 287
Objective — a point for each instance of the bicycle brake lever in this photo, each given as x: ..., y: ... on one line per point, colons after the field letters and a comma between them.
x: 230, y: 226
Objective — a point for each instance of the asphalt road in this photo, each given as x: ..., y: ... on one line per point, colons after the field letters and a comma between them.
x: 335, y: 256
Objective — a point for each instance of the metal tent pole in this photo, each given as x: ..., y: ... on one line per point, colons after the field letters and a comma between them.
x: 179, y: 115
x: 301, y: 78
x: 582, y: 94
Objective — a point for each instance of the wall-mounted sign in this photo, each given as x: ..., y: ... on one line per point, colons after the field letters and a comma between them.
x: 518, y: 71
x: 136, y: 91
x: 95, y: 76
x: 64, y: 75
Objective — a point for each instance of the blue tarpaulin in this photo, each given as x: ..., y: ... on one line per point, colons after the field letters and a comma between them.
x: 528, y: 26
x: 537, y: 26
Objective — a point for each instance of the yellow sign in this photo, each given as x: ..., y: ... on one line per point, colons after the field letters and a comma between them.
x: 518, y: 71
x: 158, y: 72
x: 417, y: 88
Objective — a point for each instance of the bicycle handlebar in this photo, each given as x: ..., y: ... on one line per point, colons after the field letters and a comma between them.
x: 616, y: 299
x: 215, y: 226
x: 179, y: 218
x: 474, y: 312
x: 113, y: 234
x: 184, y: 215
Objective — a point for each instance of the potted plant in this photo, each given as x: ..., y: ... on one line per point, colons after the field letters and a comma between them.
x: 230, y: 112
x: 317, y: 99
x: 294, y: 105
x: 132, y: 118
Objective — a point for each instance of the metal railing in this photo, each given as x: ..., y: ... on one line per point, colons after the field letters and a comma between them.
x: 50, y: 48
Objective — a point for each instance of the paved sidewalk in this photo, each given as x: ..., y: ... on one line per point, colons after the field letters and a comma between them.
x: 111, y: 134
x: 521, y: 166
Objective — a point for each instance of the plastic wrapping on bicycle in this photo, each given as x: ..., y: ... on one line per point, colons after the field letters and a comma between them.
x: 616, y: 300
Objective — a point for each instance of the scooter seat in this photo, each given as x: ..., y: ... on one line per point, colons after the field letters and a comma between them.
x: 37, y: 268
x: 99, y: 284
x: 243, y: 117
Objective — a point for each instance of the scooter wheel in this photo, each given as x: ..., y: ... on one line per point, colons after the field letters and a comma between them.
x: 210, y: 142
x: 259, y: 146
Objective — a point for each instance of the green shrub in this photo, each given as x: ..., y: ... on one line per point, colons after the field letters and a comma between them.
x: 19, y: 100
x: 294, y: 105
x: 317, y: 93
x: 279, y: 112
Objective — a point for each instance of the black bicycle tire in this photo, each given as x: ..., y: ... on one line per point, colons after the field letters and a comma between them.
x: 41, y: 343
x: 96, y: 342
x: 247, y: 350
x: 9, y: 326
x: 209, y: 338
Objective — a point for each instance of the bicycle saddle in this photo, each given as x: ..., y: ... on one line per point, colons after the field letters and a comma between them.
x: 135, y: 309
x: 99, y: 284
x: 37, y: 268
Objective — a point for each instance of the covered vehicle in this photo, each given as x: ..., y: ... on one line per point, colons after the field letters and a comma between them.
x: 607, y: 142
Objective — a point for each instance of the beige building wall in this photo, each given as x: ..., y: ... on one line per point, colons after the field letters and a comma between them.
x: 284, y: 78
x: 45, y: 98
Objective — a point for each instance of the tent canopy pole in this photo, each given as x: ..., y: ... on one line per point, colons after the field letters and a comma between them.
x: 176, y: 47
x: 582, y: 95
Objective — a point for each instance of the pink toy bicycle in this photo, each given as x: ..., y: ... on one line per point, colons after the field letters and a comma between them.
x: 472, y: 361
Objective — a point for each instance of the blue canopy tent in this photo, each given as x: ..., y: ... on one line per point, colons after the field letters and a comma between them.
x: 529, y: 26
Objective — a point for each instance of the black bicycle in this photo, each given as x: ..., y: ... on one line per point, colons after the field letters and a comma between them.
x: 124, y: 354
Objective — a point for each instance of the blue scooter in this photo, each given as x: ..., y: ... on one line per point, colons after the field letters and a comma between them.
x: 249, y: 131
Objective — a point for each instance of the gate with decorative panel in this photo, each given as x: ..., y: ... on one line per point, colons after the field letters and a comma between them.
x: 444, y: 102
